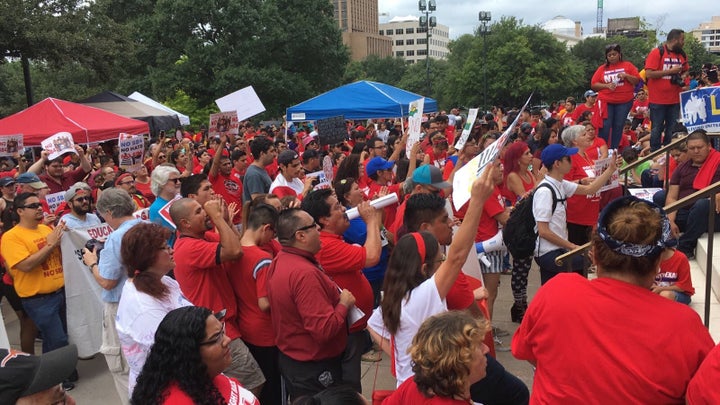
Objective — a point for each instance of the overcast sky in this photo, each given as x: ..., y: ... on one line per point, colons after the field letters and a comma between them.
x: 462, y: 15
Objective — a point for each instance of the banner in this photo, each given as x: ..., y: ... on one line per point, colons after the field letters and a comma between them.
x: 323, y: 181
x: 83, y: 293
x: 644, y: 193
x: 223, y: 123
x: 700, y: 109
x: 466, y: 175
x: 132, y: 151
x: 54, y: 200
x: 59, y: 144
x: 600, y: 166
x: 331, y: 130
x: 472, y: 115
x: 415, y: 116
x: 244, y: 102
x: 10, y: 144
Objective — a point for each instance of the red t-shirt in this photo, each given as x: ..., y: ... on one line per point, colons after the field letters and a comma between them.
x: 390, y: 210
x: 460, y: 295
x: 661, y: 91
x: 599, y: 112
x: 625, y: 91
x: 593, y: 152
x: 343, y: 263
x: 408, y: 393
x: 675, y: 271
x: 230, y: 189
x: 582, y: 209
x: 144, y: 189
x: 249, y: 282
x: 230, y: 388
x: 609, y: 353
x: 488, y: 226
x: 203, y: 279
x: 702, y: 389
x: 639, y: 108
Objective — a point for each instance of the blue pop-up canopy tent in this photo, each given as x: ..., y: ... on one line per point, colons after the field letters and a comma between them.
x: 359, y: 100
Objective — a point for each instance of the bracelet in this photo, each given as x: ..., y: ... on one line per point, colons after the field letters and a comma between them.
x: 91, y: 266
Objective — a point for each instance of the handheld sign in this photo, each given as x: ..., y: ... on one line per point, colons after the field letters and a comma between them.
x: 59, y: 144
x: 223, y: 123
x: 415, y: 117
x: 244, y: 103
x: 472, y: 115
x: 132, y: 150
x: 10, y: 144
x: 331, y: 130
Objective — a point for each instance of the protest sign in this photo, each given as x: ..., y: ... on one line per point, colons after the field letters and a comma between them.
x: 165, y: 211
x: 59, y: 144
x: 600, y: 166
x: 132, y: 150
x: 244, y: 102
x: 466, y: 175
x: 327, y: 167
x: 10, y: 144
x: 322, y: 180
x: 331, y: 130
x: 644, y: 193
x: 223, y: 123
x: 701, y: 109
x: 415, y: 115
x: 472, y: 115
x: 54, y: 200
x: 143, y: 214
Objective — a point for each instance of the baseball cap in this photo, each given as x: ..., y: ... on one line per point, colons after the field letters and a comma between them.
x: 78, y: 188
x: 32, y: 180
x: 590, y: 93
x: 555, y: 152
x: 23, y: 374
x: 286, y: 157
x: 6, y: 181
x: 377, y: 163
x: 306, y: 141
x: 429, y: 175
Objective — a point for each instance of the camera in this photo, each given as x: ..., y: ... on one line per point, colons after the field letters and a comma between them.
x: 96, y: 245
x: 677, y: 80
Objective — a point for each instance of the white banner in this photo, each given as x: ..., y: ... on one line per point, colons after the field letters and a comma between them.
x: 472, y: 115
x: 414, y: 124
x: 600, y: 166
x: 59, y: 144
x: 54, y: 200
x: 132, y: 151
x: 466, y: 175
x: 83, y: 293
x: 10, y: 144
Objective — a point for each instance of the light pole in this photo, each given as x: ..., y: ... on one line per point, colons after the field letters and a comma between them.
x: 427, y: 22
x: 484, y: 30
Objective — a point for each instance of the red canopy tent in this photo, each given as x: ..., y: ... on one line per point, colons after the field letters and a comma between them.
x: 86, y: 124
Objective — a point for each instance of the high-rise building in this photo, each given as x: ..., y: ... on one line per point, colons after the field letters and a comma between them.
x: 708, y: 33
x: 410, y: 41
x: 358, y: 21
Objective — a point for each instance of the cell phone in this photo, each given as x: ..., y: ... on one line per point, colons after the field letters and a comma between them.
x: 95, y: 245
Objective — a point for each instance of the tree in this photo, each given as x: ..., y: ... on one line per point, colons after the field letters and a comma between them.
x: 697, y: 53
x: 387, y: 70
x: 590, y: 52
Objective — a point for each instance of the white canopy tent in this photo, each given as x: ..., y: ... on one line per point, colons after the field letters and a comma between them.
x: 137, y: 96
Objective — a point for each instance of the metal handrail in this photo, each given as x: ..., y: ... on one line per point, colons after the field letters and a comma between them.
x: 708, y: 191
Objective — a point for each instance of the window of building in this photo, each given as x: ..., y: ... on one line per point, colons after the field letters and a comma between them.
x: 411, y: 53
x: 410, y: 42
x: 422, y: 41
x: 398, y: 31
x: 409, y: 30
x: 382, y: 32
x: 399, y: 42
x: 389, y: 32
x: 421, y: 52
x: 400, y: 53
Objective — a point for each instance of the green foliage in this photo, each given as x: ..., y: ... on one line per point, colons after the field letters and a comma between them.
x: 387, y: 70
x: 185, y: 104
x: 590, y: 53
x: 697, y: 53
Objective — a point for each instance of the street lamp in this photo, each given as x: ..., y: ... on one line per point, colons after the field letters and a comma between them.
x: 484, y: 30
x: 427, y: 23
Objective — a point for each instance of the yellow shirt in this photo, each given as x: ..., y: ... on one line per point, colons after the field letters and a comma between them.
x: 20, y: 243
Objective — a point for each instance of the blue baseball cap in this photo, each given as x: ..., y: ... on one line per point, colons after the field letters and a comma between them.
x: 555, y: 152
x: 377, y: 163
x: 429, y: 175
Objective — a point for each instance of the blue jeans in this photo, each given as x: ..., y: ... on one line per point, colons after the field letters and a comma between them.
x: 663, y: 118
x: 548, y: 268
x: 612, y: 128
x: 499, y: 386
x: 694, y: 223
x: 49, y: 314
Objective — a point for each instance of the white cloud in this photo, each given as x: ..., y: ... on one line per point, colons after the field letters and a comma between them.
x: 462, y: 15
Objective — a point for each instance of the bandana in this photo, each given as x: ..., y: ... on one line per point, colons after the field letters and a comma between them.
x: 632, y: 249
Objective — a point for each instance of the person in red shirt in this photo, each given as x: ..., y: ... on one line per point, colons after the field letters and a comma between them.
x: 702, y: 389
x: 203, y: 261
x: 344, y: 262
x: 640, y: 110
x: 663, y: 67
x: 249, y: 282
x: 567, y: 117
x: 593, y: 105
x: 615, y: 81
x: 239, y: 160
x: 460, y: 339
x: 673, y: 281
x: 228, y: 187
x: 55, y: 175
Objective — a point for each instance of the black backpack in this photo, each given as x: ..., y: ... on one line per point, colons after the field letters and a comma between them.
x: 519, y: 232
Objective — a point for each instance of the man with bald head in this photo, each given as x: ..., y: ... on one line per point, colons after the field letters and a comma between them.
x: 202, y: 260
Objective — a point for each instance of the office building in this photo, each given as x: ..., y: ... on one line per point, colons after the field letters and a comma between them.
x: 358, y: 21
x: 708, y: 33
x: 409, y: 40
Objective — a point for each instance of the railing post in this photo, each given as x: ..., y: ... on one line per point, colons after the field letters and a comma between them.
x: 708, y: 259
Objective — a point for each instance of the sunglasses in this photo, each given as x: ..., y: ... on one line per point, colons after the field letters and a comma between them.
x: 176, y: 181
x: 305, y: 228
x: 83, y: 199
x: 32, y: 206
x: 215, y: 339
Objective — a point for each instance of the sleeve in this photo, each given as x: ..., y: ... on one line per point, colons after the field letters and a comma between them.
x: 375, y: 322
x: 342, y: 257
x: 492, y: 206
x: 320, y: 317
x: 199, y: 254
x: 109, y: 264
x: 14, y: 250
x: 253, y: 184
x: 598, y: 76
x: 357, y: 232
x: 683, y: 273
x: 460, y: 295
x: 542, y: 204
x: 653, y: 61
x: 260, y: 276
x: 631, y: 69
x: 77, y: 174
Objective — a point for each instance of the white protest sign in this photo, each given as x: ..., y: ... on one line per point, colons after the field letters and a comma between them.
x: 414, y: 124
x: 600, y: 166
x: 472, y: 115
x: 132, y: 151
x: 54, y: 200
x: 223, y: 123
x: 644, y: 193
x: 143, y: 214
x: 464, y: 177
x: 323, y: 181
x: 10, y: 144
x: 59, y: 144
x: 244, y: 101
x: 165, y: 211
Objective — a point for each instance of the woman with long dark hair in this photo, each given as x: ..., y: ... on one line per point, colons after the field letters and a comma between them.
x: 186, y: 362
x: 148, y: 295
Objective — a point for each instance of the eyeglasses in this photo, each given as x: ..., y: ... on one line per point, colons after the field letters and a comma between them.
x: 83, y: 199
x: 127, y: 182
x: 217, y: 338
x: 305, y: 228
x: 32, y: 206
x: 176, y: 180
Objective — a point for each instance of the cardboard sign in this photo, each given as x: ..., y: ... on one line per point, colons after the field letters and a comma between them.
x: 59, y: 144
x: 323, y: 181
x: 600, y: 166
x: 415, y: 119
x: 244, y: 102
x: 10, y: 144
x: 132, y: 151
x: 472, y: 115
x: 331, y: 130
x: 223, y: 123
x: 644, y: 193
x: 54, y: 200
x: 165, y: 211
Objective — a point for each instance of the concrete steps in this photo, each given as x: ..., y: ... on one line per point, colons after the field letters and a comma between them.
x: 698, y: 271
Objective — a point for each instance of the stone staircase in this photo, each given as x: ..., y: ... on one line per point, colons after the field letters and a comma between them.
x: 698, y: 271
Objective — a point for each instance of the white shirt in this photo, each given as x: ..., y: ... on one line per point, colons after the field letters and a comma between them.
x: 422, y: 302
x: 280, y: 181
x: 542, y: 211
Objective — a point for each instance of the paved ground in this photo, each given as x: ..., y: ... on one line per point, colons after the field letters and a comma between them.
x: 96, y: 386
